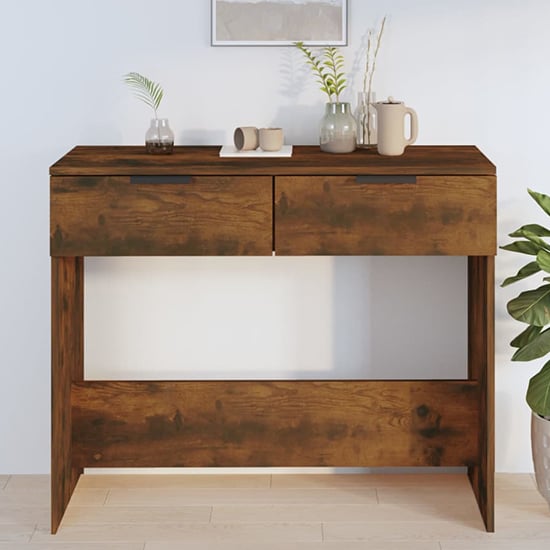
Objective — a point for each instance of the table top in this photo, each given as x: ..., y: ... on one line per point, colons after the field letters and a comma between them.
x: 306, y: 160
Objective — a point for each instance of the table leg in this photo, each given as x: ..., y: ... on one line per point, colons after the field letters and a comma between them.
x: 481, y: 358
x: 67, y: 366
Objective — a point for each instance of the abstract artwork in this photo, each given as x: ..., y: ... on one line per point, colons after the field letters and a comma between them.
x: 279, y: 22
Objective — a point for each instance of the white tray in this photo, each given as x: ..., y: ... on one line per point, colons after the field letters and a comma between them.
x: 230, y: 151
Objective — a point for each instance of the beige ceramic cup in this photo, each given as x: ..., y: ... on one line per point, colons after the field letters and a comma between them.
x: 245, y: 138
x: 271, y: 139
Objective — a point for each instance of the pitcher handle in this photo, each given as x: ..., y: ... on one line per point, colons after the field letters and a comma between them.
x: 414, y: 125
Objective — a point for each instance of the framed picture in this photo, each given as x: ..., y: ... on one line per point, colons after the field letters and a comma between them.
x: 279, y: 22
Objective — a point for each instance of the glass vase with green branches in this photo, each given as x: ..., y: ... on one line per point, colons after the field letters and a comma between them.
x: 338, y: 130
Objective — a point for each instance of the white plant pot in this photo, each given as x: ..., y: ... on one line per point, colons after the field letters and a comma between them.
x: 540, y: 445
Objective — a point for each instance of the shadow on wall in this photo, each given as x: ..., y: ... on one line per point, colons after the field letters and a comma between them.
x: 300, y: 122
x: 376, y: 337
x: 280, y: 318
x: 201, y: 136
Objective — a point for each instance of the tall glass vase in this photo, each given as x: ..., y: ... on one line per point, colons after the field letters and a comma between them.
x: 338, y: 131
x: 366, y: 120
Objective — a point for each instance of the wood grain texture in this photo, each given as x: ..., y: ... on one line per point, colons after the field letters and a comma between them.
x: 266, y: 423
x: 481, y: 367
x: 305, y: 160
x: 104, y: 216
x: 439, y: 215
x: 227, y: 208
x: 67, y: 366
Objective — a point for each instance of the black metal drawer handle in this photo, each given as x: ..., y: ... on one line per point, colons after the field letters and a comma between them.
x: 160, y: 179
x: 385, y: 179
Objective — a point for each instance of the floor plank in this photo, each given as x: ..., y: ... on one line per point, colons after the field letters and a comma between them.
x: 515, y: 481
x: 542, y: 544
x: 343, y: 512
x: 72, y: 546
x: 431, y: 530
x: 253, y: 532
x: 23, y: 514
x: 317, y: 481
x: 89, y: 515
x: 148, y: 481
x: 223, y: 496
x: 296, y: 546
x: 26, y: 482
x: 279, y: 512
x: 16, y: 532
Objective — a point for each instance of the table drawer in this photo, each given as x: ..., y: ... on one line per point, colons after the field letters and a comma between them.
x: 423, y: 215
x: 161, y: 215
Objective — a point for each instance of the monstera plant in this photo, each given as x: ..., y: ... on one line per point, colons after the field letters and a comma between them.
x: 532, y: 308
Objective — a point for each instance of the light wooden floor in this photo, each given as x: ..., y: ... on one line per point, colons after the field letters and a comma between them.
x: 273, y: 512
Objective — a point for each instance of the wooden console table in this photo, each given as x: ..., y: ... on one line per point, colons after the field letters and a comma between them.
x: 120, y: 201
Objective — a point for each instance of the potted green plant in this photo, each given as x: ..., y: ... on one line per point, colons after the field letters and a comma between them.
x: 338, y: 129
x: 532, y: 307
x: 159, y: 137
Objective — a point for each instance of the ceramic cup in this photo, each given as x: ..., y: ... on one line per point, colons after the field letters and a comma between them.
x: 271, y: 139
x: 245, y: 138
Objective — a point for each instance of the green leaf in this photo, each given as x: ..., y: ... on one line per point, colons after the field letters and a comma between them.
x: 145, y: 90
x: 532, y: 306
x: 538, y: 391
x: 542, y: 200
x: 541, y: 243
x: 538, y: 347
x: 526, y: 271
x: 533, y: 228
x: 524, y: 247
x: 325, y: 67
x: 526, y: 336
x: 543, y: 260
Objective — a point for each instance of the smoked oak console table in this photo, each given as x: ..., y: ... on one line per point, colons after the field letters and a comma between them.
x: 120, y: 201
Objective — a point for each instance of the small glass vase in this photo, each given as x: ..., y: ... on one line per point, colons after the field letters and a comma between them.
x: 366, y: 120
x: 338, y: 132
x: 159, y: 138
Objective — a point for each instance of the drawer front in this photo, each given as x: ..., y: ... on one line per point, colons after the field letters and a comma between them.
x: 123, y: 216
x: 426, y: 215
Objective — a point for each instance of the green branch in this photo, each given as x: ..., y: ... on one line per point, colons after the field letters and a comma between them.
x: 151, y: 93
x: 328, y: 67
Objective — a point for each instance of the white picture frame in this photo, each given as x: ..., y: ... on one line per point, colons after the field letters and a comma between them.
x: 279, y: 22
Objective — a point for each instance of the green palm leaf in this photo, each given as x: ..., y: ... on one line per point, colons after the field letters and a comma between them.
x: 151, y: 93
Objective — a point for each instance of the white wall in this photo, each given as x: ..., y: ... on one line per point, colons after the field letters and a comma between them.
x: 476, y: 72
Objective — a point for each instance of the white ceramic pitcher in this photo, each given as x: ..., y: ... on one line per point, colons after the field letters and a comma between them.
x: 391, y: 126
